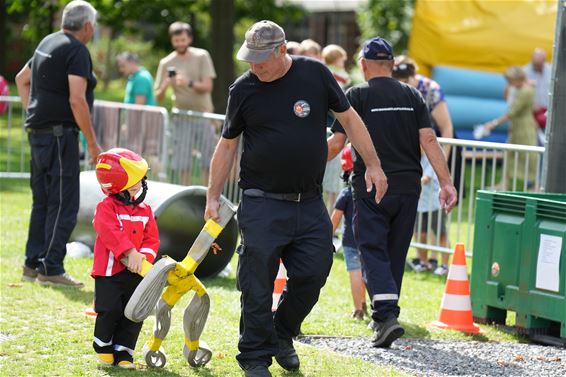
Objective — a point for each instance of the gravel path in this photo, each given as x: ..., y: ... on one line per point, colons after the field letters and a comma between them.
x: 420, y: 357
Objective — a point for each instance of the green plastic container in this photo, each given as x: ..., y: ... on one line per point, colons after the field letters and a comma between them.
x: 511, y: 230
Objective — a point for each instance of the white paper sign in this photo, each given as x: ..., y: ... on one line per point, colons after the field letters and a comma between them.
x: 548, y: 262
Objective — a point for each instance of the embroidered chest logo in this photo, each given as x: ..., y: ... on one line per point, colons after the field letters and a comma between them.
x: 301, y: 108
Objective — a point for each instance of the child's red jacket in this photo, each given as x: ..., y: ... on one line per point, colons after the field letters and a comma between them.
x: 120, y: 228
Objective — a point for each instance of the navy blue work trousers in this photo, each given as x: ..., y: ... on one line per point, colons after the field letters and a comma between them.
x: 300, y: 233
x: 55, y: 193
x: 383, y: 234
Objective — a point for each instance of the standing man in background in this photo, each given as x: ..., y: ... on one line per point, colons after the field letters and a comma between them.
x: 139, y: 88
x: 398, y: 121
x: 189, y: 72
x: 539, y: 72
x: 56, y: 87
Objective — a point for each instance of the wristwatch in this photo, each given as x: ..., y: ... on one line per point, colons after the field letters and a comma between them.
x: 190, y: 83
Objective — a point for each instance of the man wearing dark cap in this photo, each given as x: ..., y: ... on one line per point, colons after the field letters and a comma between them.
x: 280, y: 107
x: 398, y: 122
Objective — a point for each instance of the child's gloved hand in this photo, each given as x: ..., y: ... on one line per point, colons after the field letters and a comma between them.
x: 135, y: 261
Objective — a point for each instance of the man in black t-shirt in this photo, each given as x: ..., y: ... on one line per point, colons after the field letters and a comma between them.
x: 56, y: 88
x: 397, y: 119
x: 280, y: 107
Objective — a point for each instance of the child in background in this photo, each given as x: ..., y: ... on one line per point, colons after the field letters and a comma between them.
x: 428, y: 212
x: 125, y: 227
x: 335, y: 58
x: 344, y: 207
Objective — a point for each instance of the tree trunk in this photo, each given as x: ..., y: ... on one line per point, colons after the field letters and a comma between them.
x: 222, y: 33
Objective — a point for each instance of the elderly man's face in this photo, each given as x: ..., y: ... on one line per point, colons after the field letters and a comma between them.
x: 271, y: 68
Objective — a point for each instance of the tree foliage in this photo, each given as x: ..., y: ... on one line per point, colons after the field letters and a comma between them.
x: 390, y: 19
x: 148, y: 19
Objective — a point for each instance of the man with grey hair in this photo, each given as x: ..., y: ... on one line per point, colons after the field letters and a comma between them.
x: 280, y: 107
x: 539, y: 72
x: 56, y: 87
x: 398, y: 122
x: 139, y: 88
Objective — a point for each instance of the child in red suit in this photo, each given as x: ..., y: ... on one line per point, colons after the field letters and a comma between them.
x: 125, y: 227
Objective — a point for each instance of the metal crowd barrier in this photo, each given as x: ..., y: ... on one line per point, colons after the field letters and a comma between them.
x: 143, y: 129
x: 179, y: 144
x: 14, y: 147
x: 483, y: 166
x: 194, y: 137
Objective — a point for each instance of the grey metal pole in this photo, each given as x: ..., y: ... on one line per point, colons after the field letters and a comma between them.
x: 554, y: 168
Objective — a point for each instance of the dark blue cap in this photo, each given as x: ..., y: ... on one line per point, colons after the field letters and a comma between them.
x: 377, y: 49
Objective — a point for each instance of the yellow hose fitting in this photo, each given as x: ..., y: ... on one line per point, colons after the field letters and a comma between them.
x: 172, y: 294
x: 213, y: 228
x: 187, y: 266
x: 192, y: 345
x: 154, y: 343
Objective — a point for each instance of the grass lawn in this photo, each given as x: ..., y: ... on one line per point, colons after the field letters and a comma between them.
x: 46, y: 334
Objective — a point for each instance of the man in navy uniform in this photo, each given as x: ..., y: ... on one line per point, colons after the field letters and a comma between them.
x: 398, y: 122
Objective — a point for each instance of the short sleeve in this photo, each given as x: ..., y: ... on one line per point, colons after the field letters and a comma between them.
x: 207, y: 66
x: 341, y: 201
x: 142, y: 86
x: 78, y: 62
x: 436, y: 95
x: 422, y: 113
x: 350, y: 97
x: 337, y: 101
x: 234, y: 123
x: 159, y: 75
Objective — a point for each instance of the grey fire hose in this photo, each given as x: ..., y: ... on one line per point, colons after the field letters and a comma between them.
x: 177, y: 278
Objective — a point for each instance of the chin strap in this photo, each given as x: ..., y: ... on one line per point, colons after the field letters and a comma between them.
x: 124, y: 196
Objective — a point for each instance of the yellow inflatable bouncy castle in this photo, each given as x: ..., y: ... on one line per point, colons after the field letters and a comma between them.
x: 466, y: 45
x: 483, y: 35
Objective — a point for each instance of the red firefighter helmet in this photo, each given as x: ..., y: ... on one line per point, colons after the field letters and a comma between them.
x: 346, y: 159
x: 118, y: 169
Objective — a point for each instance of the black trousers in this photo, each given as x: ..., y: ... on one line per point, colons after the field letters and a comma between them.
x: 383, y: 233
x: 113, y: 332
x: 55, y: 192
x: 300, y: 234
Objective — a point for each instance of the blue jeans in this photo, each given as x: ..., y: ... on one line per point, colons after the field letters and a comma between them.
x: 352, y: 258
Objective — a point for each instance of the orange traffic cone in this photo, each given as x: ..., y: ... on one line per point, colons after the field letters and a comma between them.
x: 280, y: 282
x: 456, y: 306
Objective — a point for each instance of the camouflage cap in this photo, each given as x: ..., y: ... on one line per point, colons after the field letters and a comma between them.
x: 261, y: 40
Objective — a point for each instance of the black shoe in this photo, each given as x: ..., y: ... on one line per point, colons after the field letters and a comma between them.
x: 287, y: 356
x: 386, y: 333
x: 257, y: 371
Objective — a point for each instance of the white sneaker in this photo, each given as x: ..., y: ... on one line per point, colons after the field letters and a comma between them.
x: 441, y: 270
x: 416, y: 265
